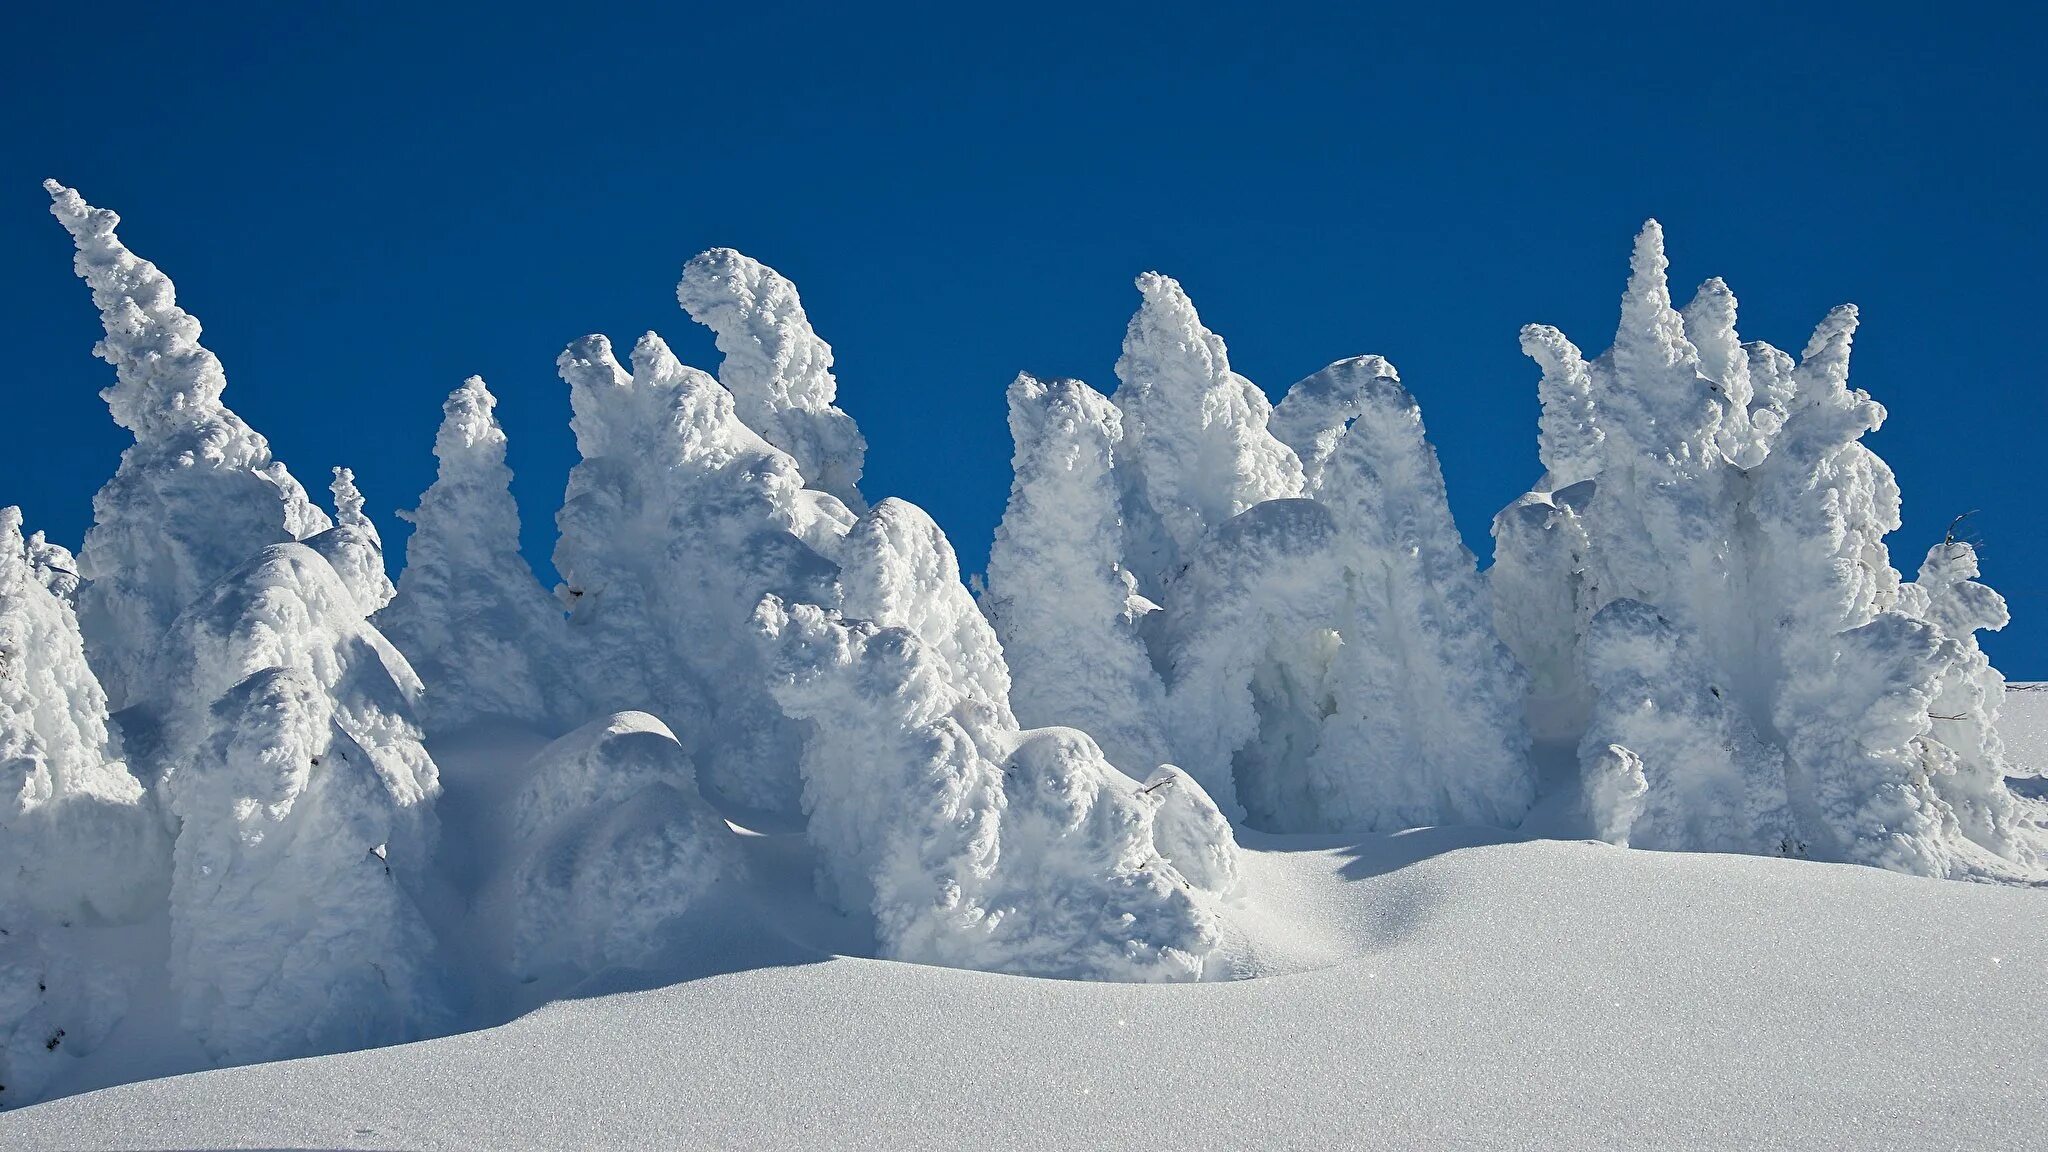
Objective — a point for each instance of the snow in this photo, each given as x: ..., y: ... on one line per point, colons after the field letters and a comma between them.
x: 1430, y: 989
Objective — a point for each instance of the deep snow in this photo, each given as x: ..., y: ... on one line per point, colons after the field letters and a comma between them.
x: 1435, y: 988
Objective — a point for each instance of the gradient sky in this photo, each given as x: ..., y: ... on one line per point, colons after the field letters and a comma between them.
x: 365, y: 203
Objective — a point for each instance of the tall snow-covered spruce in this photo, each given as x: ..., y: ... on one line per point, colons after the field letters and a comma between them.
x: 196, y: 494
x: 1066, y: 608
x: 485, y: 637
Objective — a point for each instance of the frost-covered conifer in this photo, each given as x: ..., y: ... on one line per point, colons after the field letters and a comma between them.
x: 1253, y: 621
x: 1067, y: 610
x: 1312, y: 417
x: 1949, y: 596
x: 678, y: 519
x: 78, y: 843
x: 1709, y: 784
x: 1427, y: 724
x: 1545, y: 590
x: 1196, y: 443
x: 612, y: 847
x: 354, y: 548
x: 974, y: 844
x: 776, y: 366
x: 196, y: 494
x: 279, y: 728
x: 484, y: 636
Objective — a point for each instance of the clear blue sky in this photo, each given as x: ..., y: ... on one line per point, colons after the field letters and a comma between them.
x: 367, y: 204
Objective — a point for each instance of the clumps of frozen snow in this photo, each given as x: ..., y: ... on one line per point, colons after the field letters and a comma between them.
x: 1196, y: 442
x: 196, y: 494
x: 285, y: 754
x: 777, y: 368
x: 1315, y: 413
x: 1774, y: 649
x: 612, y: 849
x: 677, y: 520
x: 485, y: 637
x: 973, y: 844
x: 1067, y: 609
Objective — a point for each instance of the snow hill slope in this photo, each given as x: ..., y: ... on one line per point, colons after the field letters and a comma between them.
x: 1442, y: 988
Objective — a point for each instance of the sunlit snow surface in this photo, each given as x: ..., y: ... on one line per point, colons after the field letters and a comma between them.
x: 1438, y: 988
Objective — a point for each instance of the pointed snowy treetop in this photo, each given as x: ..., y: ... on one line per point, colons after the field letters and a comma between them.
x: 163, y: 373
x: 1651, y: 337
x: 469, y: 432
x: 1198, y: 443
x: 1569, y: 436
x: 1746, y: 428
x: 348, y: 500
x: 354, y: 547
x: 1313, y: 415
x: 777, y: 367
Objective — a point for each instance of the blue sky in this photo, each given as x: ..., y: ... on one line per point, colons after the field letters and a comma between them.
x: 366, y: 203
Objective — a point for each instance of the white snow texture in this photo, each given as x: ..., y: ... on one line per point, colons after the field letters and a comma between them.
x: 1204, y: 613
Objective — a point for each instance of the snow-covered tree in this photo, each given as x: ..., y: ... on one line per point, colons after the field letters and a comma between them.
x: 973, y: 844
x: 678, y: 519
x: 1709, y: 783
x: 354, y: 548
x: 1314, y: 414
x: 1066, y: 608
x: 611, y: 849
x: 1253, y: 621
x: 280, y: 732
x: 485, y: 637
x: 1196, y: 449
x: 1426, y: 725
x: 79, y: 845
x: 1947, y: 594
x: 196, y: 494
x: 1726, y: 488
x: 776, y: 366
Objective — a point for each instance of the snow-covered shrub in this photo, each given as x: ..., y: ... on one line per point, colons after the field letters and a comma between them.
x: 280, y: 732
x: 79, y: 846
x: 1066, y: 608
x: 1317, y: 410
x: 611, y: 847
x: 777, y: 368
x: 678, y: 519
x: 196, y: 494
x: 971, y: 843
x: 484, y: 636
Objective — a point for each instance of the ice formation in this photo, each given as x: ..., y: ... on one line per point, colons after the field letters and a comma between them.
x: 485, y: 637
x: 612, y: 848
x: 678, y: 519
x: 354, y: 548
x: 1725, y: 488
x: 777, y: 368
x: 196, y: 494
x: 1066, y: 608
x: 974, y: 844
x: 280, y: 735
